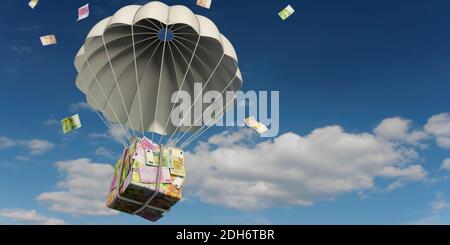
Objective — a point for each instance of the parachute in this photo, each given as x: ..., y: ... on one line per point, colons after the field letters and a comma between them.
x: 135, y: 62
x: 132, y: 68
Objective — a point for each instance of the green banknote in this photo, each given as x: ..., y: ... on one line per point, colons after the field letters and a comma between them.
x: 71, y: 123
x: 286, y: 12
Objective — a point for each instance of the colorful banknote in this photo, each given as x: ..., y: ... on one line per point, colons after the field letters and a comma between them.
x: 166, y: 159
x: 147, y: 174
x: 83, y: 12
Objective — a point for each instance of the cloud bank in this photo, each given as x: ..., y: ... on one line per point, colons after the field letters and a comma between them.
x: 296, y: 170
x: 83, y: 189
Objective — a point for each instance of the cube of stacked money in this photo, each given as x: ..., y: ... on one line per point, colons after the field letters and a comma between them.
x: 134, y: 188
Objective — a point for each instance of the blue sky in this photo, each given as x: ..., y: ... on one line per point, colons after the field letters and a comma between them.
x: 349, y: 63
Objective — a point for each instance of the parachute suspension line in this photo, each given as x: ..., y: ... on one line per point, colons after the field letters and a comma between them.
x: 117, y: 135
x: 179, y: 51
x: 179, y: 126
x: 135, y: 34
x: 143, y: 50
x: 117, y: 84
x: 195, y: 100
x: 107, y: 123
x: 186, y: 33
x: 159, y: 82
x: 153, y: 54
x: 140, y: 41
x: 143, y: 40
x: 148, y: 28
x: 106, y: 98
x: 179, y: 28
x: 114, y: 72
x: 200, y: 117
x: 184, y: 78
x: 160, y: 24
x: 137, y: 81
x: 148, y: 62
x: 184, y: 46
x: 176, y: 74
x: 197, y: 135
x: 187, y: 40
x: 157, y: 27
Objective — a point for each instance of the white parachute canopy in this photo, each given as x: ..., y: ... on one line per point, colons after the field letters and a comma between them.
x: 132, y: 63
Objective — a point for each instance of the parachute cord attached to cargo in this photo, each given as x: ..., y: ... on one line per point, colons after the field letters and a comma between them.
x: 106, y: 98
x: 182, y: 82
x: 193, y: 103
x: 159, y: 81
x: 117, y: 83
x: 137, y: 80
x: 105, y: 120
x: 198, y: 133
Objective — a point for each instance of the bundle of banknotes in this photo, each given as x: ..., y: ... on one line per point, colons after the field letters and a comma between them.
x: 135, y: 179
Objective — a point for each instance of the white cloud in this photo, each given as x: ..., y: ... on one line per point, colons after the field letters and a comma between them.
x: 83, y: 189
x: 227, y: 139
x: 103, y: 152
x: 446, y: 164
x: 52, y: 121
x: 394, y: 185
x: 96, y: 135
x: 28, y: 28
x: 398, y: 129
x: 6, y: 142
x: 410, y: 173
x: 37, y: 146
x: 76, y: 107
x: 34, y: 146
x: 439, y: 203
x: 293, y: 169
x: 23, y: 158
x: 29, y: 217
x: 20, y: 49
x: 439, y: 126
x: 116, y: 132
x: 435, y: 180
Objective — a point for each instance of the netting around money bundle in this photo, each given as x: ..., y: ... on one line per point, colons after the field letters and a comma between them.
x: 147, y: 179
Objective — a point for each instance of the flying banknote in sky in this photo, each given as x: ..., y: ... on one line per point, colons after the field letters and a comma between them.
x: 204, y: 3
x: 286, y: 12
x: 71, y: 123
x: 33, y: 3
x: 48, y: 40
x: 259, y: 127
x: 83, y: 12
